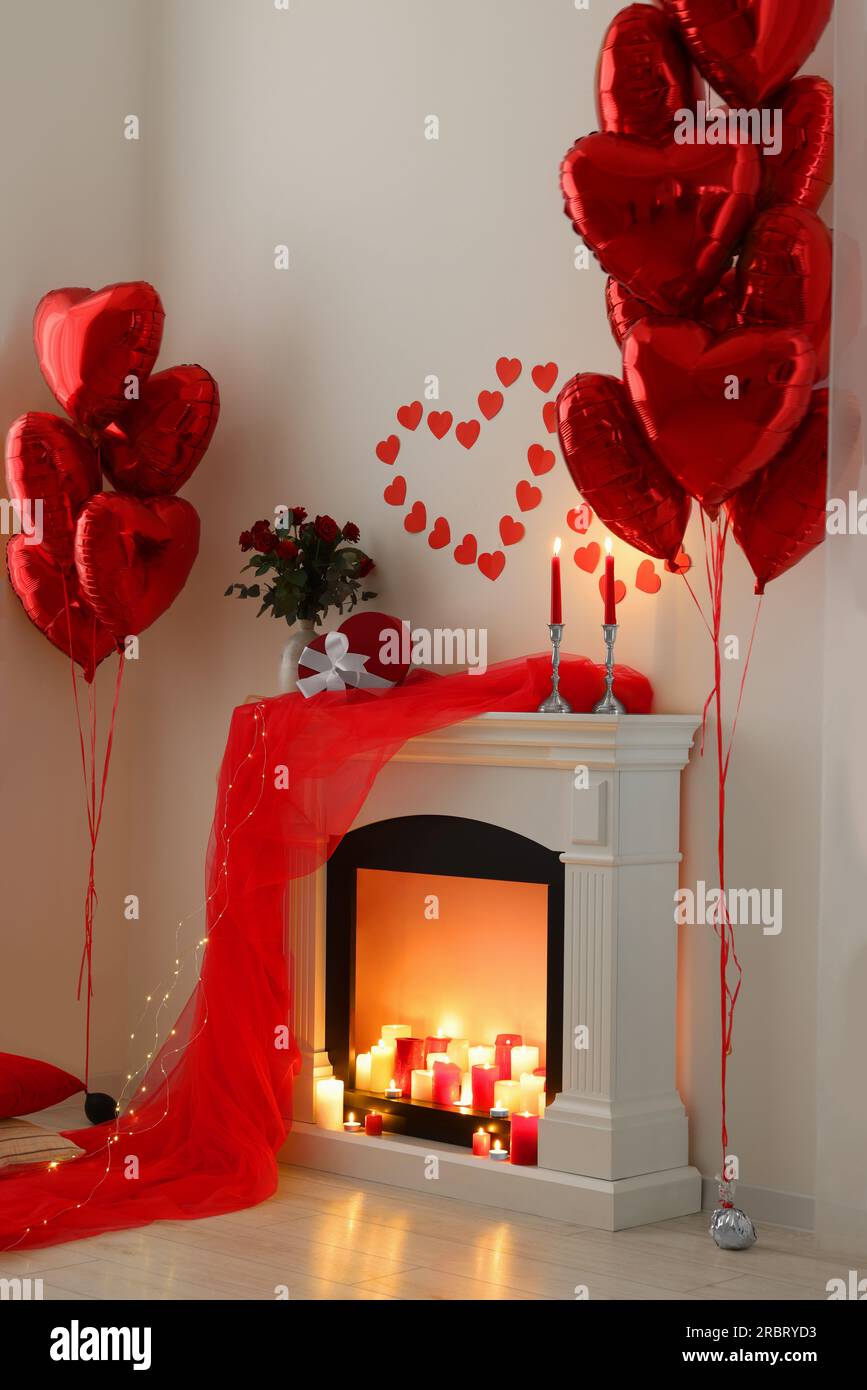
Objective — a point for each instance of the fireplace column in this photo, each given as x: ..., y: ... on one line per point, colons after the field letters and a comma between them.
x: 304, y: 925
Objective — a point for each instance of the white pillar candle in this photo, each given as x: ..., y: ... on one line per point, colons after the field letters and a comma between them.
x: 458, y: 1050
x: 524, y: 1059
x: 437, y: 1057
x: 329, y: 1103
x: 381, y: 1066
x: 542, y: 1105
x: 481, y: 1057
x: 466, y: 1089
x: 421, y: 1085
x: 391, y: 1031
x: 508, y: 1095
x: 362, y: 1071
x: 531, y: 1088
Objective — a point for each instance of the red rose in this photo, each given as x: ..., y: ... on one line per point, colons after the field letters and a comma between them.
x: 366, y: 566
x: 299, y: 514
x: 245, y: 540
x: 326, y: 528
x: 287, y: 550
x: 351, y: 532
x: 263, y: 537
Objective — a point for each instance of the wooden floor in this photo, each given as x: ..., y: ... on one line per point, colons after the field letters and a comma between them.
x: 326, y: 1237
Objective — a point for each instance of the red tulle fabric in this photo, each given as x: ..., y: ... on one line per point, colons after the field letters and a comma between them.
x: 216, y: 1103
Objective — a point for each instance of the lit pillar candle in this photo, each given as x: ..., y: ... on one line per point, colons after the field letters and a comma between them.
x: 391, y: 1031
x: 362, y: 1071
x: 523, y: 1059
x: 556, y: 597
x: 458, y: 1050
x: 446, y: 1083
x: 408, y: 1057
x: 478, y: 1056
x: 503, y: 1053
x: 531, y: 1089
x: 525, y: 1139
x: 329, y: 1103
x: 508, y: 1095
x: 466, y: 1089
x: 433, y: 1057
x: 484, y: 1080
x: 381, y: 1066
x: 542, y: 1104
x: 421, y: 1085
x: 481, y: 1144
x: 437, y: 1044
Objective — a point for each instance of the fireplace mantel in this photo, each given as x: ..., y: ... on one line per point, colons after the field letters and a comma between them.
x: 614, y: 1142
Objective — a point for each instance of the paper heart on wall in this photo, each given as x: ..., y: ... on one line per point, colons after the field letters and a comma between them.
x: 133, y: 557
x: 784, y: 276
x: 156, y: 444
x: 643, y: 77
x: 47, y: 461
x: 91, y: 342
x: 716, y: 410
x: 44, y: 588
x: 664, y: 219
x: 803, y: 171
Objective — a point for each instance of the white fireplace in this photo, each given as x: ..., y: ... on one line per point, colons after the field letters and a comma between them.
x: 604, y: 793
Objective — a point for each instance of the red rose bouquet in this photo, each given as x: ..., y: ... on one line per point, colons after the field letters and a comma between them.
x: 302, y: 568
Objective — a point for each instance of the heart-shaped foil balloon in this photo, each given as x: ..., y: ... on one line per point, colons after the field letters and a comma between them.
x: 663, y: 220
x: 154, y: 447
x: 717, y: 310
x: 52, y: 600
x: 781, y: 515
x: 51, y: 471
x: 643, y: 77
x: 133, y: 557
x: 748, y: 49
x: 784, y: 276
x: 93, y: 344
x: 717, y: 410
x: 614, y: 470
x: 803, y: 171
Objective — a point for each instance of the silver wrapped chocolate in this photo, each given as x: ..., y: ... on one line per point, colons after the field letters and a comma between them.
x: 730, y: 1227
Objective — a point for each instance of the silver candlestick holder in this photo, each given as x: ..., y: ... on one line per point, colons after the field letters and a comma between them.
x: 554, y: 703
x: 609, y: 704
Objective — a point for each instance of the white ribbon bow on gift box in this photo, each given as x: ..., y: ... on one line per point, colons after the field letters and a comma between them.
x: 337, y: 668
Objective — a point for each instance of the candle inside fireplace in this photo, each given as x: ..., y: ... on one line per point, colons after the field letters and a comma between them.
x: 329, y: 1103
x: 532, y: 1087
x: 608, y: 590
x: 437, y: 1044
x: 508, y: 1094
x: 446, y: 1083
x: 479, y: 1056
x: 484, y: 1080
x: 408, y: 1057
x: 481, y: 1144
x: 503, y: 1053
x: 391, y: 1031
x: 523, y: 1059
x: 525, y: 1139
x: 421, y: 1085
x: 556, y: 594
x: 499, y: 1152
x: 373, y: 1124
x: 458, y: 1050
x: 351, y: 1125
x: 362, y: 1071
x: 381, y: 1065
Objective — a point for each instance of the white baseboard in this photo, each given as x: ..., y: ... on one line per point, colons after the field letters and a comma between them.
x: 768, y: 1204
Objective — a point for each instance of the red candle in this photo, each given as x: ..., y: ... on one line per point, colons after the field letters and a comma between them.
x: 437, y: 1044
x: 503, y: 1053
x: 483, y: 1078
x: 446, y: 1083
x: 373, y: 1123
x: 610, y: 607
x: 556, y: 595
x: 525, y: 1139
x: 481, y: 1144
x: 408, y: 1057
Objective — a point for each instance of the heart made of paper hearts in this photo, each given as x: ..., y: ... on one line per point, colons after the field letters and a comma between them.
x: 47, y: 461
x: 784, y: 275
x: 44, y: 589
x: 133, y: 557
x: 803, y: 171
x: 154, y: 447
x: 748, y: 49
x: 679, y: 378
x: 90, y: 342
x: 643, y: 77
x: 664, y: 219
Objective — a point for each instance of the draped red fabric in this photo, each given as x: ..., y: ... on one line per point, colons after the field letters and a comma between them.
x: 205, y: 1124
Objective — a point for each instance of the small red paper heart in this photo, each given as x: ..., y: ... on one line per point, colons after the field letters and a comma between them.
x: 416, y: 518
x: 154, y: 447
x: 440, y: 535
x: 680, y: 565
x: 527, y: 495
x: 387, y: 450
x: 410, y: 415
x: 439, y: 423
x: 545, y: 376
x: 619, y: 589
x: 549, y: 415
x: 579, y: 519
x: 587, y: 556
x: 395, y: 493
x: 491, y: 564
x: 646, y: 578
x: 490, y: 403
x: 467, y: 432
x: 511, y: 531
x: 466, y: 551
x: 540, y: 459
x: 508, y: 370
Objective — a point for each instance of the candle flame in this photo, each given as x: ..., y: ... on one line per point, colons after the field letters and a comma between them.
x: 392, y: 1085
x: 608, y: 545
x: 557, y: 545
x: 351, y: 1118
x: 496, y: 1144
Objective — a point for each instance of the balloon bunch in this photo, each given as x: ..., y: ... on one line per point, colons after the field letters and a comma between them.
x: 719, y: 290
x: 108, y: 563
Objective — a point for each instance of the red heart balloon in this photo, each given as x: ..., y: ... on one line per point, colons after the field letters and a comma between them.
x: 716, y: 410
x: 643, y: 76
x: 154, y: 447
x: 39, y: 584
x: 47, y: 461
x: 747, y: 49
x: 614, y: 470
x: 784, y: 276
x: 803, y: 171
x: 90, y: 342
x: 780, y: 516
x: 133, y: 557
x: 663, y: 220
x: 717, y: 310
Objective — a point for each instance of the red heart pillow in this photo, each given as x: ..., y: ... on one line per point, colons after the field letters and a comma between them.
x: 27, y: 1085
x: 154, y: 447
x: 370, y: 651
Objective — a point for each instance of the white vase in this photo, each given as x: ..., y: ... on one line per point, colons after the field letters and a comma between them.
x: 300, y: 636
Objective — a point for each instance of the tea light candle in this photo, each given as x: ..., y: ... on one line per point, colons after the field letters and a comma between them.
x: 352, y: 1126
x: 484, y: 1079
x: 393, y: 1091
x: 479, y: 1056
x: 329, y: 1103
x: 421, y: 1085
x: 499, y: 1112
x: 437, y: 1044
x: 531, y: 1088
x: 362, y: 1071
x: 408, y: 1057
x: 481, y: 1144
x: 503, y: 1053
x: 498, y: 1152
x: 381, y: 1065
x: 524, y: 1059
x: 508, y: 1094
x: 525, y: 1139
x: 391, y: 1031
x: 373, y: 1124
x: 446, y: 1083
x: 458, y: 1050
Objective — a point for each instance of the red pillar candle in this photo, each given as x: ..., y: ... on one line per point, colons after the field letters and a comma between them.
x: 610, y: 606
x: 408, y: 1057
x: 556, y: 594
x: 525, y: 1140
x: 446, y: 1083
x: 373, y: 1123
x: 437, y: 1044
x: 483, y: 1078
x: 503, y: 1053
x: 481, y: 1144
